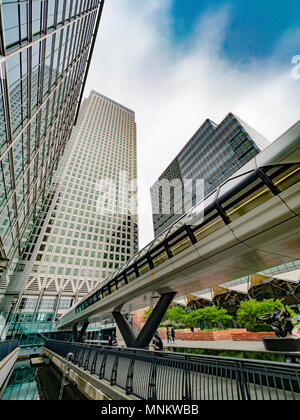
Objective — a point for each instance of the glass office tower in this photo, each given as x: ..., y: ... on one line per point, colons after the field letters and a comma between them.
x: 75, y: 245
x: 45, y: 51
x: 213, y: 154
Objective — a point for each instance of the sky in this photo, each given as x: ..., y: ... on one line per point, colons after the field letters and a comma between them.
x: 178, y: 62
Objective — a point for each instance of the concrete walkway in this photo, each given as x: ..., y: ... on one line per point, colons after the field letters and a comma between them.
x: 255, y: 346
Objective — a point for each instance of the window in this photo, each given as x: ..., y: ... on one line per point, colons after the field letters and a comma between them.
x: 65, y: 303
x: 47, y: 303
x: 28, y: 303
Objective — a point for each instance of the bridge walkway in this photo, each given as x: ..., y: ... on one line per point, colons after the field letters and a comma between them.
x: 150, y: 375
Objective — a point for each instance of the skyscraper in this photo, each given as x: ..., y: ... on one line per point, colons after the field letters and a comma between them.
x: 213, y: 154
x: 75, y: 245
x: 45, y: 51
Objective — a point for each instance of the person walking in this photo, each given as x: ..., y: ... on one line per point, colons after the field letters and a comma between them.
x: 168, y: 335
x: 157, y: 343
x: 112, y: 341
x: 173, y: 335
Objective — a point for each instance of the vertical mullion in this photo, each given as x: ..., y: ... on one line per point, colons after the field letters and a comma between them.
x: 29, y: 98
x: 7, y: 117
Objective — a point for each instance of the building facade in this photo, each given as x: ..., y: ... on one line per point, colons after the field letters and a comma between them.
x: 45, y: 50
x: 213, y: 154
x: 76, y: 244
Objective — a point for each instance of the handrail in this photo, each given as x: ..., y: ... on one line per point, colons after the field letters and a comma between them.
x: 7, y: 347
x: 151, y: 375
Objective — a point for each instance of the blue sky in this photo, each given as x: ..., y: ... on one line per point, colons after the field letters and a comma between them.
x: 179, y: 62
x: 255, y: 26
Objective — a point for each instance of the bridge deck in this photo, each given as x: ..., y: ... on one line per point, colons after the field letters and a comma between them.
x: 176, y: 376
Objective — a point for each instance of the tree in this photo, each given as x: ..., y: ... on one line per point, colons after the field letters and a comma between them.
x: 210, y: 314
x: 250, y: 310
x: 148, y: 312
x: 176, y: 315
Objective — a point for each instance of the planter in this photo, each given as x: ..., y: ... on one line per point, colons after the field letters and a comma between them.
x: 198, y: 335
x: 250, y: 336
x: 288, y: 344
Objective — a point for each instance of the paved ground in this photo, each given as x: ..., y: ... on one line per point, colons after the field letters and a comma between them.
x: 256, y: 346
x: 218, y: 345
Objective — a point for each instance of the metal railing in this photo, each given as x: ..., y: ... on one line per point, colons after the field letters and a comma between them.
x: 6, y: 347
x: 151, y: 375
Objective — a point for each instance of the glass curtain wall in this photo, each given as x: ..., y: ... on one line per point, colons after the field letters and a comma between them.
x: 45, y: 48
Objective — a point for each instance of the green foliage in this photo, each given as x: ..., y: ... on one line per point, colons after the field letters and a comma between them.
x: 210, y: 314
x: 214, y: 318
x: 148, y: 312
x: 250, y: 310
x: 176, y: 315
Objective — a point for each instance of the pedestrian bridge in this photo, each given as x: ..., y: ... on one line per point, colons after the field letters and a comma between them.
x: 154, y: 376
x: 250, y: 223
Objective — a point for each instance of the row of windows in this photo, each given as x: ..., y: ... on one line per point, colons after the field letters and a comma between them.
x: 84, y: 271
x: 47, y: 303
x: 16, y: 25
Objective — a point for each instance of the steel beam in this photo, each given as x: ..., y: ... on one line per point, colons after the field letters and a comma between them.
x: 82, y: 331
x: 144, y: 338
x: 75, y: 332
x: 147, y: 332
x: 125, y: 329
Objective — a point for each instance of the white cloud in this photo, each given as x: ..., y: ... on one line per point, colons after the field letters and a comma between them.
x: 173, y: 88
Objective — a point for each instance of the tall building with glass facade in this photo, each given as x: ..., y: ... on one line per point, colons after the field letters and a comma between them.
x: 75, y: 245
x: 45, y: 51
x: 213, y: 154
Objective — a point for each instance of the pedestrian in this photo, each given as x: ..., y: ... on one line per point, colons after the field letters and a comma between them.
x: 168, y: 335
x: 157, y: 343
x: 173, y: 335
x: 114, y: 341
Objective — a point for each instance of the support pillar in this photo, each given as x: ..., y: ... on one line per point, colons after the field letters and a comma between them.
x: 82, y: 331
x: 125, y: 329
x: 146, y: 334
x: 144, y: 338
x: 75, y: 332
